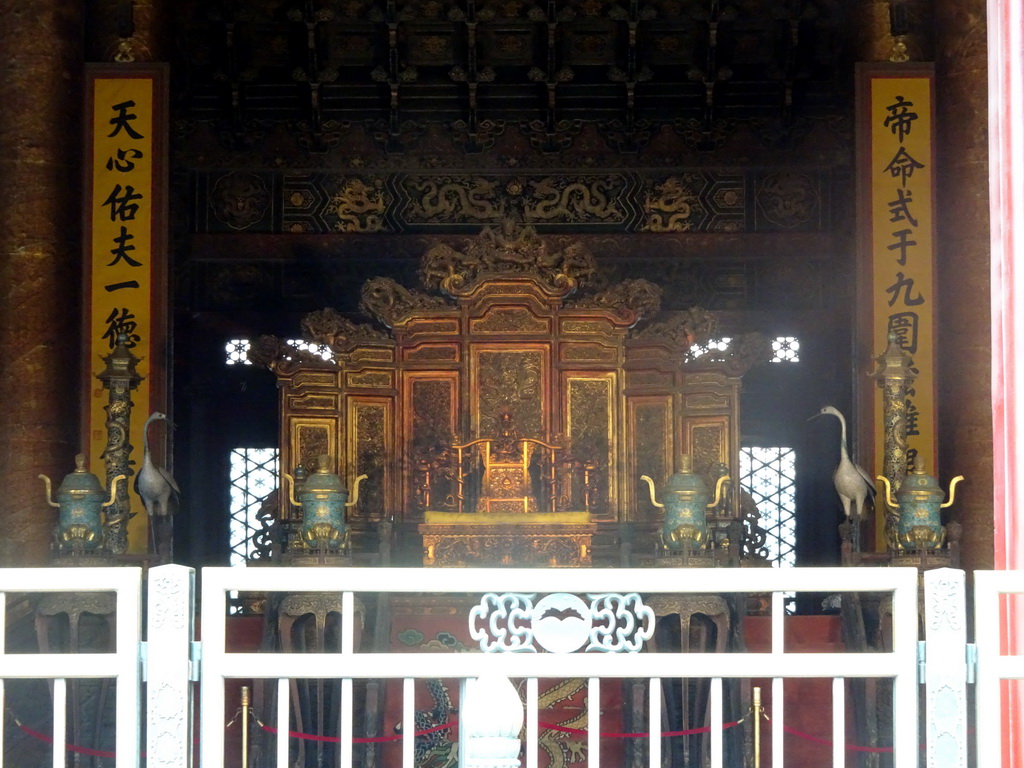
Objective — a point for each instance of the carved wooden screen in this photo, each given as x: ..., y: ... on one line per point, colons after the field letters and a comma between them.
x: 513, y: 333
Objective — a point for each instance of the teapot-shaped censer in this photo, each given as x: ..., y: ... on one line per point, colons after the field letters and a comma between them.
x: 80, y: 501
x: 686, y: 505
x: 918, y: 503
x: 323, y: 498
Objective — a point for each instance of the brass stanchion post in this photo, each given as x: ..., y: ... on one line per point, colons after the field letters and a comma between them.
x: 245, y: 726
x: 756, y: 712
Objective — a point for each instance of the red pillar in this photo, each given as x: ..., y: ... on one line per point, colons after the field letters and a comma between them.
x: 1006, y: 190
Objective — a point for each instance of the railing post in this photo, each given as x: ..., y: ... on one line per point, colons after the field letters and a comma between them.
x: 945, y: 667
x: 169, y: 633
x: 492, y: 717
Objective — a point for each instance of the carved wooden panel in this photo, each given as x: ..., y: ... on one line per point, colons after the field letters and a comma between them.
x: 373, y: 354
x: 584, y: 352
x: 513, y: 381
x: 591, y: 429
x: 649, y: 379
x: 311, y: 438
x: 649, y: 427
x: 432, y: 353
x: 430, y: 406
x: 314, y: 378
x: 371, y: 379
x: 707, y: 441
x: 314, y: 401
x: 508, y: 321
x: 449, y: 326
x: 370, y: 442
x: 587, y: 326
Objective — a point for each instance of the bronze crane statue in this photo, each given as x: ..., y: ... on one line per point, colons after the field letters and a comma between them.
x: 156, y: 487
x: 852, y: 483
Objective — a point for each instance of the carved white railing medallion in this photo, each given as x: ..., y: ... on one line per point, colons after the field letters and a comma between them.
x: 560, y: 623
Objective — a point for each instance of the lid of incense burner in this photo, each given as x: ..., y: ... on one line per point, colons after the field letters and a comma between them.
x: 323, y: 480
x: 81, y: 483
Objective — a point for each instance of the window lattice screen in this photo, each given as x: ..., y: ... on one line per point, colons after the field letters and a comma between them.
x: 769, y: 476
x: 236, y: 351
x: 253, y: 477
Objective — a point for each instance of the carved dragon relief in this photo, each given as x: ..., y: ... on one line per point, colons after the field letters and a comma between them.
x: 283, y: 358
x: 389, y: 302
x: 508, y: 250
x: 633, y: 299
x: 694, y: 326
x: 698, y: 326
x: 327, y: 326
x: 742, y: 354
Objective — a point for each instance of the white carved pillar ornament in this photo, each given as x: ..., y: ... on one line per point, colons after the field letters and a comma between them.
x: 492, y: 718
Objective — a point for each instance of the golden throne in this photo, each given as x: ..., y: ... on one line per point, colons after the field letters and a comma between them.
x: 505, y: 412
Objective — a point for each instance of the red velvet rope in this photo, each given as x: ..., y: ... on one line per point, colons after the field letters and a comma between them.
x: 454, y: 724
x: 828, y: 742
x: 69, y: 747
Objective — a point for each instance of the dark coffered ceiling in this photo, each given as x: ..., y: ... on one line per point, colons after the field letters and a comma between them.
x: 479, y: 66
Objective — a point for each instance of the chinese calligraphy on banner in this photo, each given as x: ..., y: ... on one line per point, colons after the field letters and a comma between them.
x: 125, y: 262
x: 897, y: 182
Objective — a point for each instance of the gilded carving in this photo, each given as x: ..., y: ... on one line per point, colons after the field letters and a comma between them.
x: 314, y: 378
x: 431, y: 414
x: 313, y: 442
x: 574, y: 199
x: 329, y: 327
x: 510, y: 382
x: 508, y: 250
x: 589, y: 353
x: 391, y: 302
x: 706, y: 401
x: 706, y: 448
x: 314, y: 402
x: 375, y: 379
x: 692, y: 326
x: 370, y: 452
x: 517, y: 320
x: 652, y: 449
x: 360, y: 206
x: 453, y: 199
x: 673, y: 205
x: 584, y: 326
x: 538, y: 549
x: 433, y: 352
x: 432, y: 325
x: 432, y: 436
x: 649, y: 378
x: 633, y: 300
x: 372, y: 355
x: 590, y: 425
x: 281, y: 357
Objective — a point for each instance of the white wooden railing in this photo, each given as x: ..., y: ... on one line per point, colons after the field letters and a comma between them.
x: 122, y: 665
x: 172, y: 658
x: 998, y: 599
x: 900, y: 665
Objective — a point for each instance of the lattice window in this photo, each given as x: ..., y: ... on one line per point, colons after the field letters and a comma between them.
x: 253, y: 477
x: 237, y: 350
x: 713, y: 345
x: 769, y: 476
x: 786, y: 349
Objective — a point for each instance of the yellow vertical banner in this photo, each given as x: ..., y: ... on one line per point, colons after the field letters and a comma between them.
x: 896, y: 183
x: 125, y: 272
